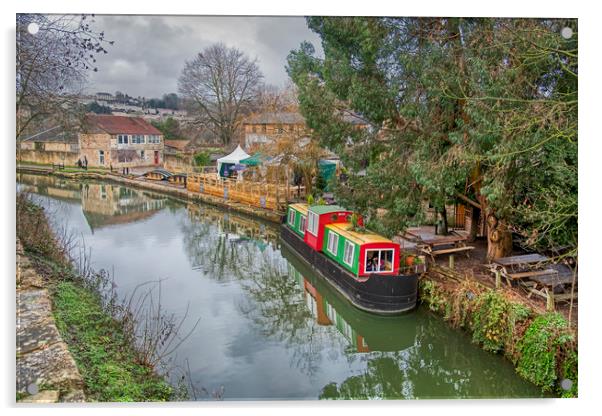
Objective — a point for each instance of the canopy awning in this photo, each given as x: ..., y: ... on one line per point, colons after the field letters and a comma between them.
x: 230, y: 160
x: 255, y: 160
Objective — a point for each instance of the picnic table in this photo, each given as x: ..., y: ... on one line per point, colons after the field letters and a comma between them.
x: 534, y: 272
x: 519, y: 267
x: 444, y: 245
x: 545, y: 285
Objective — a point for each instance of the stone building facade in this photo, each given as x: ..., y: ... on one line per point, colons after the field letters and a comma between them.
x: 120, y: 141
x: 103, y: 141
x: 266, y: 128
x: 52, y: 146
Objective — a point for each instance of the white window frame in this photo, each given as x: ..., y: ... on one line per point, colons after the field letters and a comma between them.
x: 303, y: 223
x: 333, y: 243
x: 291, y: 217
x: 122, y: 139
x: 379, y: 251
x: 313, y: 220
x: 101, y: 157
x: 348, y: 244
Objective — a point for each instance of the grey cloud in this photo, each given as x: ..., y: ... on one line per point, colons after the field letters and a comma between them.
x: 150, y: 51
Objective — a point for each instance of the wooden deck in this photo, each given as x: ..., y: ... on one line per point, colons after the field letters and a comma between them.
x: 258, y: 194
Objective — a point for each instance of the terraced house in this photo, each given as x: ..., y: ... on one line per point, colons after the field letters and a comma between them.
x: 119, y: 142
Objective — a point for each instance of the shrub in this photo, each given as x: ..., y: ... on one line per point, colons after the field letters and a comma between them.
x: 547, y: 351
x: 495, y: 319
x: 202, y: 159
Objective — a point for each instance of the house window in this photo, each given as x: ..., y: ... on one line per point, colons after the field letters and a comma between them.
x: 142, y: 154
x: 348, y: 253
x: 379, y: 261
x: 153, y: 138
x: 333, y: 242
x: 138, y: 139
x: 303, y: 222
x: 312, y: 223
x: 291, y: 217
x: 101, y: 157
x: 122, y: 139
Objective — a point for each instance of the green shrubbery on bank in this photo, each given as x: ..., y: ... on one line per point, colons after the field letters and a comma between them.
x: 106, y: 360
x: 100, y: 344
x: 541, y: 346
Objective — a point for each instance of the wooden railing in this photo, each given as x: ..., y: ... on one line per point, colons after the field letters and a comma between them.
x: 258, y: 194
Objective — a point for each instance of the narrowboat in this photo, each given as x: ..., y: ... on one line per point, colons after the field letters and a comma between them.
x: 364, y: 267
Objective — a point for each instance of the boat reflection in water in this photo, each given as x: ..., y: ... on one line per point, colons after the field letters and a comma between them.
x: 364, y: 331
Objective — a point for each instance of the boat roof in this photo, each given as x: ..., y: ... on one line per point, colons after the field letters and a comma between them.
x: 302, y: 208
x: 344, y: 229
x: 326, y: 209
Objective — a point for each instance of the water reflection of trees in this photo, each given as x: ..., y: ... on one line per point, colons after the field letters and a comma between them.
x: 276, y: 306
x: 439, y: 366
x: 219, y: 244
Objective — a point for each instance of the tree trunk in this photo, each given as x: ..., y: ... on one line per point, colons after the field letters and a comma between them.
x: 499, y: 238
x: 474, y: 224
x: 444, y: 229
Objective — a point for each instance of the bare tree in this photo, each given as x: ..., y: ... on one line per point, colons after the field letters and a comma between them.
x: 54, y: 53
x: 271, y: 98
x: 223, y: 84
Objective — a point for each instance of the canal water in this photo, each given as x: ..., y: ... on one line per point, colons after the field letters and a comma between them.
x: 268, y: 327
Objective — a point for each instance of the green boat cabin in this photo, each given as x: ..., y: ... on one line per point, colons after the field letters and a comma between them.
x: 296, y: 218
x: 362, y: 254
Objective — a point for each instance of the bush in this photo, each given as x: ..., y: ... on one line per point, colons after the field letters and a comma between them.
x: 547, y: 351
x: 202, y: 159
x: 495, y: 319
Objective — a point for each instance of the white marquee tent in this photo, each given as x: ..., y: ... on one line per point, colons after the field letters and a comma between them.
x: 224, y: 163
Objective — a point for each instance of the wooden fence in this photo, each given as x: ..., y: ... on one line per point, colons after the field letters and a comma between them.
x: 258, y: 194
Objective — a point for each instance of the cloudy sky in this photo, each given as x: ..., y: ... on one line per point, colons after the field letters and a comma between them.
x: 150, y: 51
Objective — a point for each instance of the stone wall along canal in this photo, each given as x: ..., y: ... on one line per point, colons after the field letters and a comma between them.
x: 268, y: 327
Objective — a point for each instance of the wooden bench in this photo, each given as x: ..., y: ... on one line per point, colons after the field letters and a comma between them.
x: 533, y: 273
x: 449, y: 250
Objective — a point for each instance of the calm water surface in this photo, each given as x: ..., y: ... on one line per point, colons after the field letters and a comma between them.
x: 268, y: 327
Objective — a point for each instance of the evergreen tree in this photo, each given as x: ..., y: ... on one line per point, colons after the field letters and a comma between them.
x: 484, y: 108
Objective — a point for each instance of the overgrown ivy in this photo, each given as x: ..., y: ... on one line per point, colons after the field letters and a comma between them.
x: 495, y: 319
x: 542, y: 347
x: 547, y: 354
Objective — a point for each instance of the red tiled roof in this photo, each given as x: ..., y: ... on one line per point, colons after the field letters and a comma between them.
x: 118, y: 124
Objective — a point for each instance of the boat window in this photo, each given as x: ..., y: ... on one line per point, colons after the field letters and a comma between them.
x: 312, y: 223
x: 333, y: 242
x: 303, y: 225
x: 348, y: 253
x: 379, y: 261
x: 291, y: 217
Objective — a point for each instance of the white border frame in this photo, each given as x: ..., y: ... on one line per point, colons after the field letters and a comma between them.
x: 379, y: 251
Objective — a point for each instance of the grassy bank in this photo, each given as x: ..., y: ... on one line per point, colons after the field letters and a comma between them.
x: 541, y: 346
x: 102, y: 344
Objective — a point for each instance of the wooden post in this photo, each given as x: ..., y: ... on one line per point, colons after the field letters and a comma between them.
x: 451, y: 261
x: 572, y: 294
x: 287, y: 184
x: 550, y: 299
x: 498, y: 279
